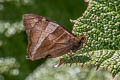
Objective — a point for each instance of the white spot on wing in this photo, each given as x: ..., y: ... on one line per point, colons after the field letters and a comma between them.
x: 51, y: 27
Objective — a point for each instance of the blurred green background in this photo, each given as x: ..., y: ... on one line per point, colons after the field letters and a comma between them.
x: 13, y: 41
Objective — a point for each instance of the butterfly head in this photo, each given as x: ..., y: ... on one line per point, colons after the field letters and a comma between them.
x: 82, y: 39
x: 79, y: 44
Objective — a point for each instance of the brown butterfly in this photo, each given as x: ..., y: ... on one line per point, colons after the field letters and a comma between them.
x: 47, y: 39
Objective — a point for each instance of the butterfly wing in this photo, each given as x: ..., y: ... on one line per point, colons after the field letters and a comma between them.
x: 46, y: 38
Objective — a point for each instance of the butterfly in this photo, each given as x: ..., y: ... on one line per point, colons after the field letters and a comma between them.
x: 47, y: 39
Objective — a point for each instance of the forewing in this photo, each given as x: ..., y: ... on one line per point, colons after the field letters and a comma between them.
x: 34, y: 26
x: 46, y: 38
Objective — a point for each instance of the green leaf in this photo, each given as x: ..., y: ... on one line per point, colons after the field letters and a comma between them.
x: 101, y: 25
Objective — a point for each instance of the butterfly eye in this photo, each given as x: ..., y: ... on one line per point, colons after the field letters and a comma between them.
x: 83, y: 38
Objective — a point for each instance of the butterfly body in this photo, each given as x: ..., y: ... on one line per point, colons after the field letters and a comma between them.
x: 47, y: 39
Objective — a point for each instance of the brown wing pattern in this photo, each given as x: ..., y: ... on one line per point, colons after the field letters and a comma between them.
x: 55, y: 46
x: 34, y: 27
x: 46, y: 38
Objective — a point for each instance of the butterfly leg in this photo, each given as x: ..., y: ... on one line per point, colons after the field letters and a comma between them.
x: 71, y: 58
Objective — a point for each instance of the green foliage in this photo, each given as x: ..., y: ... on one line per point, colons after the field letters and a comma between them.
x: 13, y: 41
x: 8, y: 65
x: 65, y: 72
x: 101, y: 25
